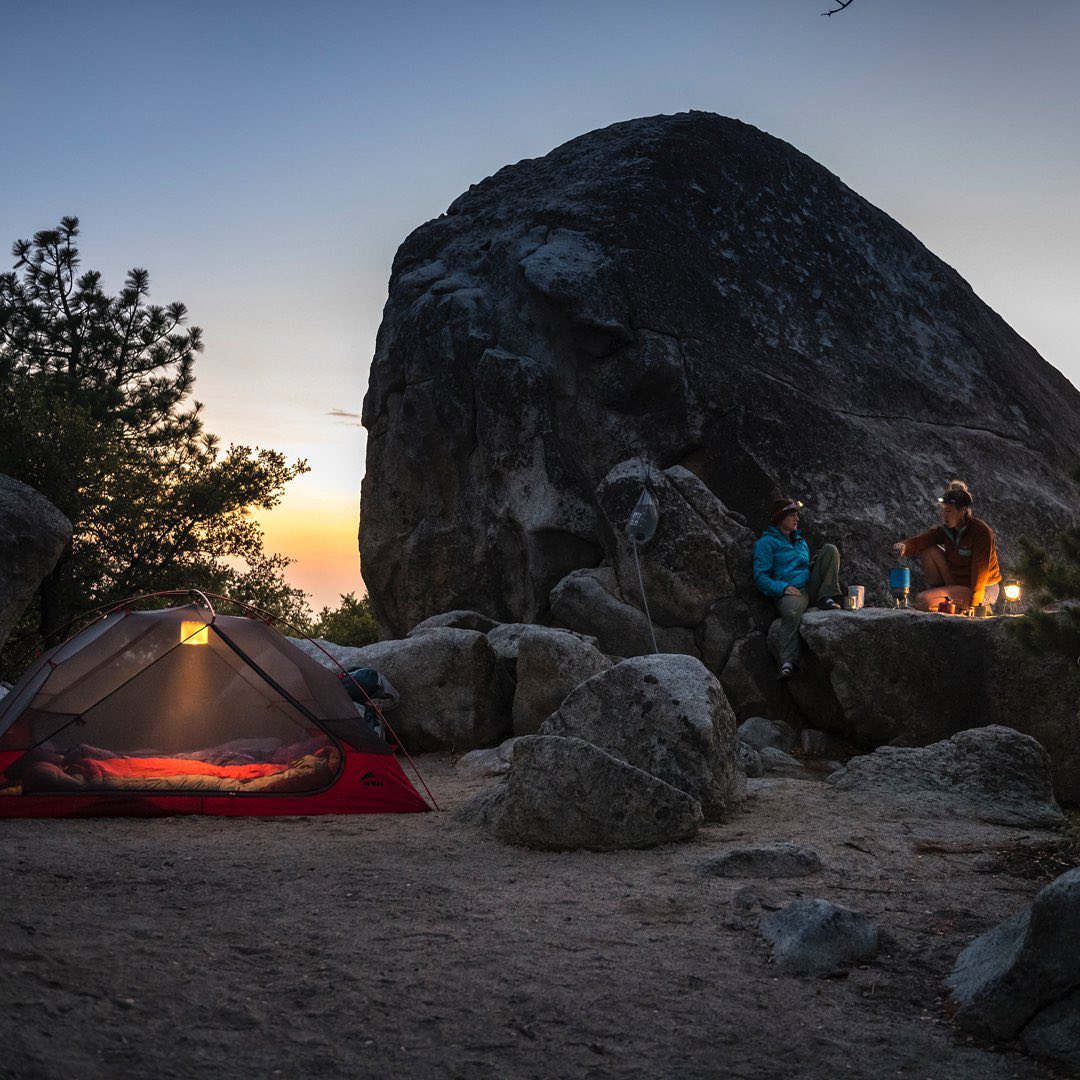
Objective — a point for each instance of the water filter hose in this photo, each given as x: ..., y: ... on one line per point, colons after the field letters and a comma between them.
x: 644, y: 601
x: 640, y: 529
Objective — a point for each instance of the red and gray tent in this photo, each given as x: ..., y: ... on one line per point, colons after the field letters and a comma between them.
x: 188, y: 711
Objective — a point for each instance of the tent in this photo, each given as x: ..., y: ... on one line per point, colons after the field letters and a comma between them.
x: 188, y: 711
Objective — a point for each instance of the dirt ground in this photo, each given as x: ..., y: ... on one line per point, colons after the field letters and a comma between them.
x: 411, y: 945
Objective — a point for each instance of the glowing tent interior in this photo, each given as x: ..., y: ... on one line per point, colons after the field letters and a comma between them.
x: 188, y: 711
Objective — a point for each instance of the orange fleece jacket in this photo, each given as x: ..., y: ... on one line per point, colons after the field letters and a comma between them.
x: 972, y: 556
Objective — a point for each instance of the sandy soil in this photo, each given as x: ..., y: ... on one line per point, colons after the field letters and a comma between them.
x: 414, y: 946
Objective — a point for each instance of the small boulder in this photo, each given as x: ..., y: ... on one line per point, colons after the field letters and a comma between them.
x: 666, y: 715
x: 776, y: 761
x: 760, y: 732
x: 993, y: 773
x: 33, y: 534
x: 775, y: 861
x: 816, y: 937
x: 816, y: 743
x: 566, y: 794
x: 505, y: 637
x: 456, y: 620
x: 1005, y: 976
x: 455, y: 694
x: 491, y: 761
x: 550, y: 664
x: 750, y: 760
x: 586, y: 600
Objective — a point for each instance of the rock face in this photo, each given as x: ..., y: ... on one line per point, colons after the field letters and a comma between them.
x: 666, y: 715
x: 564, y: 794
x: 33, y: 534
x: 907, y: 677
x: 691, y: 290
x: 994, y: 773
x: 1030, y: 961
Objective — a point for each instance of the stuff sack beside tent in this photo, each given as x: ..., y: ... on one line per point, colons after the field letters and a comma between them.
x: 187, y: 711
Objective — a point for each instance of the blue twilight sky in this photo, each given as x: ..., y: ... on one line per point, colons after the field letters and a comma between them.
x: 264, y: 160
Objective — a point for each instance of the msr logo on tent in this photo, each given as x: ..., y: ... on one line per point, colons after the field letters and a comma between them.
x: 369, y: 779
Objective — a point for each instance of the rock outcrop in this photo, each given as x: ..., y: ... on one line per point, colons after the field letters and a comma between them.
x: 33, y: 534
x: 693, y: 291
x: 910, y: 678
x: 992, y: 773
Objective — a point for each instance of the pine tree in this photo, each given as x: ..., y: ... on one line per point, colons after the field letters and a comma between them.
x: 1052, y: 578
x: 95, y: 413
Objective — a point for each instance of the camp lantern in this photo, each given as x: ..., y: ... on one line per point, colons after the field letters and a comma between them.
x: 194, y: 633
x: 1013, y: 592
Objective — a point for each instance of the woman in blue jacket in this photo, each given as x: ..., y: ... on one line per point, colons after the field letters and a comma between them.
x: 783, y: 572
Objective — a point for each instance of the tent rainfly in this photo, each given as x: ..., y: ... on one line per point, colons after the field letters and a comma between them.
x: 187, y: 711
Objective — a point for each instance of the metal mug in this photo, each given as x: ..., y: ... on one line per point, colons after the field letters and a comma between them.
x: 851, y: 603
x: 858, y: 593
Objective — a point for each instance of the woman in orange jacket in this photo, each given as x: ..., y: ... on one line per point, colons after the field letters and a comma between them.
x: 959, y: 556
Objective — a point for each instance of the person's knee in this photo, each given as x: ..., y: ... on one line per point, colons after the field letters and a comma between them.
x: 830, y: 551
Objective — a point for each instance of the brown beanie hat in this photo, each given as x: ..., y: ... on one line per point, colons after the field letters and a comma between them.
x: 781, y: 508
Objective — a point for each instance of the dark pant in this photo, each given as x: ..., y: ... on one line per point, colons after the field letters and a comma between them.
x: 824, y: 581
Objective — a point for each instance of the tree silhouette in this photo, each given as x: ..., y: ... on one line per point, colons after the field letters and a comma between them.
x: 95, y: 413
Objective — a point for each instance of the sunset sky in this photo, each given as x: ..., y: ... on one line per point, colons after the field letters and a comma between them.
x: 265, y: 160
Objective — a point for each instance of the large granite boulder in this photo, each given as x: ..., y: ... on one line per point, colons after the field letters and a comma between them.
x: 1005, y: 977
x: 455, y: 694
x: 909, y: 678
x: 690, y: 290
x: 666, y: 715
x: 992, y: 773
x: 33, y: 534
x: 565, y: 794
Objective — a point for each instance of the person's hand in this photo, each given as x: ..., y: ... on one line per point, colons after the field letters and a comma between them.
x: 792, y: 591
x: 899, y: 549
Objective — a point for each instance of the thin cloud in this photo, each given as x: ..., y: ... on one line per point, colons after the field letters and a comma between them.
x: 342, y: 416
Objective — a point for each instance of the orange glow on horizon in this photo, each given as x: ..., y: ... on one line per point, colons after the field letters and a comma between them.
x: 319, y: 533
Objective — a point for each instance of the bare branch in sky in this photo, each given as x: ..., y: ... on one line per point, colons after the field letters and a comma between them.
x: 840, y: 5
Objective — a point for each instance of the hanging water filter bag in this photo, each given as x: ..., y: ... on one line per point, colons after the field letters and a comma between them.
x: 641, y: 527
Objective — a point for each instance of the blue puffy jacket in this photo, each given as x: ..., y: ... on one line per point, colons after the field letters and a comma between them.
x: 780, y: 562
